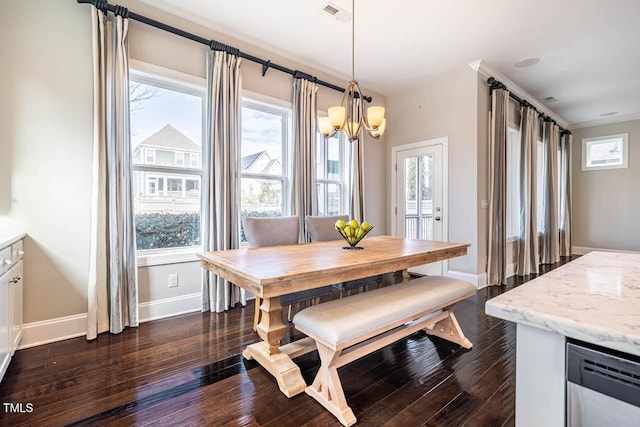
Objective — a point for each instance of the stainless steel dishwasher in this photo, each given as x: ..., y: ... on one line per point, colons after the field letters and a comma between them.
x: 603, y: 387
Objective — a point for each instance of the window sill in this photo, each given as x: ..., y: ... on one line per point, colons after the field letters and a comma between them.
x: 150, y: 258
x: 511, y: 239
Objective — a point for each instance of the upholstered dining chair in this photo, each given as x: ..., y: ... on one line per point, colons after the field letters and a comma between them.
x: 322, y: 229
x: 275, y: 232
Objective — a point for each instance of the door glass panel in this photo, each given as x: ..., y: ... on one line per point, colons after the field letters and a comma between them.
x: 418, y: 222
x: 426, y: 196
x: 411, y: 198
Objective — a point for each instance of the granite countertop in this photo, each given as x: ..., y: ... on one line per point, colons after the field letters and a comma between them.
x: 7, y: 239
x: 595, y: 298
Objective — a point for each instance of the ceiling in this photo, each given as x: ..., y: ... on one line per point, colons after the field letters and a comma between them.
x: 589, y: 50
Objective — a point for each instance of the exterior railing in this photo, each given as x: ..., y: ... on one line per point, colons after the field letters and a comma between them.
x: 424, y: 232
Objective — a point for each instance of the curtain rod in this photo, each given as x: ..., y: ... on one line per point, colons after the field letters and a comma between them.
x: 213, y: 44
x: 495, y: 84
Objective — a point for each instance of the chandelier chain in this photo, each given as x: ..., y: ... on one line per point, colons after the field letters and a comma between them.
x: 353, y: 39
x: 350, y: 115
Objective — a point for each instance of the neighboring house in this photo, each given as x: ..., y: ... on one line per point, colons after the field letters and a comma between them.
x: 258, y: 192
x: 260, y: 163
x: 159, y: 190
x: 162, y: 190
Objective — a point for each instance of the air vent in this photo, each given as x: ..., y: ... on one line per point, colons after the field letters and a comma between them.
x: 337, y: 12
x: 550, y: 99
x: 330, y: 9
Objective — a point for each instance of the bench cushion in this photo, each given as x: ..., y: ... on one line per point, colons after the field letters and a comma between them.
x: 339, y: 321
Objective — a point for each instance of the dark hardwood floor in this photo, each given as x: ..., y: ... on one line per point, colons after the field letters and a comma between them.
x: 188, y: 370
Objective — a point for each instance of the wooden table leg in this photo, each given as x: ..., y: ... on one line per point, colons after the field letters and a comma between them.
x: 403, y: 275
x: 267, y: 352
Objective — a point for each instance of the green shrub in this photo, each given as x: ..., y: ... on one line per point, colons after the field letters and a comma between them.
x: 167, y: 230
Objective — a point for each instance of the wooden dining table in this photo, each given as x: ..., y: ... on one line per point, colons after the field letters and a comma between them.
x: 273, y: 271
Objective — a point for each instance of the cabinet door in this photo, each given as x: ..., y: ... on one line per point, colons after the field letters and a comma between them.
x: 4, y: 322
x: 15, y: 304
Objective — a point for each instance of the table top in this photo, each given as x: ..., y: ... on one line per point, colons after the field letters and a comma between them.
x: 595, y: 298
x: 278, y: 270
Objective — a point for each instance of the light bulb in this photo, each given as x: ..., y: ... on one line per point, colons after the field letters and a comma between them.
x: 337, y: 117
x: 377, y: 133
x: 352, y: 130
x: 375, y: 116
x: 324, y: 125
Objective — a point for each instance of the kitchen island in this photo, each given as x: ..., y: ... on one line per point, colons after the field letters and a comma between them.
x: 594, y: 299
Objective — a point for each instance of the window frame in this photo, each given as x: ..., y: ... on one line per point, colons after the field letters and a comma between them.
x: 275, y: 108
x: 586, y: 143
x: 178, y: 82
x: 344, y: 169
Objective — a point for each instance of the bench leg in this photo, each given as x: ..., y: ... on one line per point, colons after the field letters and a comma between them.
x: 449, y: 329
x: 327, y: 389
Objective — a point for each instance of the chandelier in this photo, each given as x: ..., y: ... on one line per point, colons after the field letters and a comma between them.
x: 349, y: 115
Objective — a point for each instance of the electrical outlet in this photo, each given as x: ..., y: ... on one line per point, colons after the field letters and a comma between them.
x: 173, y: 280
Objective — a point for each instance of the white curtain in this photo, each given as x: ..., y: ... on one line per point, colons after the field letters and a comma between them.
x: 565, y: 195
x: 549, y: 232
x: 220, y: 201
x: 304, y: 195
x: 496, y: 261
x: 528, y: 251
x: 356, y: 206
x: 113, y: 284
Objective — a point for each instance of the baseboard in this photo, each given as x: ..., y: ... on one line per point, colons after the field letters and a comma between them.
x: 4, y: 364
x: 582, y: 250
x: 479, y: 280
x: 63, y: 328
x: 510, y: 270
x: 52, y: 330
x: 168, y: 307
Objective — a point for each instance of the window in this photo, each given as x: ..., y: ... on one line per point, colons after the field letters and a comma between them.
x: 192, y: 187
x: 152, y: 186
x: 513, y: 189
x: 175, y: 187
x: 195, y: 160
x: 150, y: 155
x: 332, y: 169
x: 179, y: 159
x: 605, y: 152
x: 264, y: 172
x: 166, y: 123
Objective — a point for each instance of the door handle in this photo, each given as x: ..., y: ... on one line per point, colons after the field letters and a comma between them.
x: 437, y: 218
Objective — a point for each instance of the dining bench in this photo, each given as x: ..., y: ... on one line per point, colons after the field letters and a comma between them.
x: 347, y: 329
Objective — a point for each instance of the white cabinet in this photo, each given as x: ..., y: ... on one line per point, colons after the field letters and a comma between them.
x: 15, y: 307
x: 11, y: 291
x: 4, y: 323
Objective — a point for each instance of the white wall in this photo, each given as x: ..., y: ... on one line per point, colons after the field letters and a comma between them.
x: 46, y: 127
x: 606, y: 203
x: 46, y: 133
x: 445, y: 106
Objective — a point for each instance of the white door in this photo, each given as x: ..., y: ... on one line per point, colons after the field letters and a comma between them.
x: 420, y: 195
